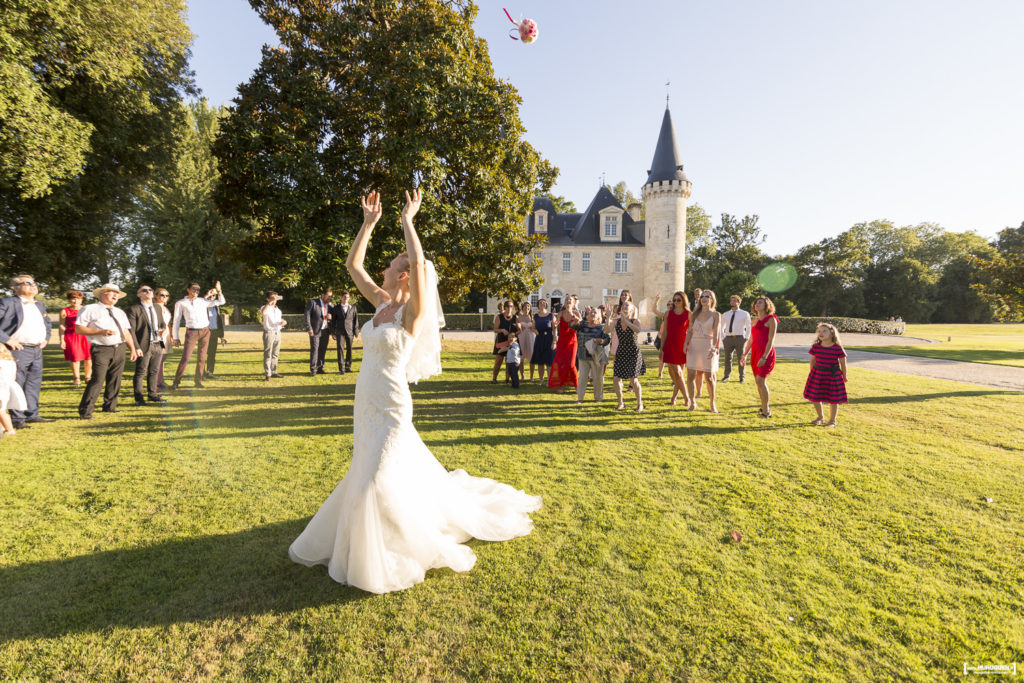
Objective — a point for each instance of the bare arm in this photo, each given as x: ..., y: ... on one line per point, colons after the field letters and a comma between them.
x: 717, y: 341
x: 412, y: 319
x: 357, y: 254
x: 842, y: 366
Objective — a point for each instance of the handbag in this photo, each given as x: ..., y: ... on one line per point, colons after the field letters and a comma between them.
x: 501, y: 346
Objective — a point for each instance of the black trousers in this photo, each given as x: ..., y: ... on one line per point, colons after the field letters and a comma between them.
x: 148, y: 366
x: 211, y: 352
x: 318, y: 344
x: 107, y: 366
x: 347, y: 341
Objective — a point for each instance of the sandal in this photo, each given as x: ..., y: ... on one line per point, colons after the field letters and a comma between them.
x: 829, y: 424
x: 640, y: 408
x: 817, y: 422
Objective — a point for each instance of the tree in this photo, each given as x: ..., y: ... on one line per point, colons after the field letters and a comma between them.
x: 623, y: 195
x: 740, y: 282
x: 733, y: 245
x: 562, y: 205
x: 1004, y: 272
x: 384, y: 95
x: 831, y: 275
x: 89, y: 92
x: 698, y: 226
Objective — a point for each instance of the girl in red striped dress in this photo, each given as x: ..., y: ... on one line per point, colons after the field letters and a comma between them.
x: 826, y: 382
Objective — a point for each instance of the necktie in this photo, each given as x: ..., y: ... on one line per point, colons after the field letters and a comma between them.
x: 731, y: 321
x: 152, y: 324
x: 120, y: 331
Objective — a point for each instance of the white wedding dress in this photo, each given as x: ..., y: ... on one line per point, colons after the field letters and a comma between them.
x: 398, y: 512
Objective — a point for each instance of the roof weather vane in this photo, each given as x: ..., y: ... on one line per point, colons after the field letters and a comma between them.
x: 667, y: 84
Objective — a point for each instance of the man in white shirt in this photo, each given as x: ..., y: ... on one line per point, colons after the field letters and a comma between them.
x: 194, y: 311
x: 735, y: 330
x: 108, y: 330
x: 25, y: 330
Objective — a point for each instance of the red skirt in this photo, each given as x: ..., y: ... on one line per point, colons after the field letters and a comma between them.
x: 563, y: 369
x: 76, y: 346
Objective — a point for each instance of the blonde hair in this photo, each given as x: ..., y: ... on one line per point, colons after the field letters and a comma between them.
x: 5, y: 353
x: 700, y: 302
x: 832, y: 329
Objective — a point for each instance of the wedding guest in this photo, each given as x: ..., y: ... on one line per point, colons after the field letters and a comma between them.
x: 318, y: 323
x: 11, y: 395
x: 513, y: 359
x: 216, y: 334
x: 148, y: 327
x: 527, y: 335
x: 659, y: 341
x: 701, y: 348
x: 826, y: 382
x: 563, y: 368
x: 696, y: 298
x: 735, y: 332
x: 629, y: 362
x: 673, y: 335
x: 108, y: 330
x: 193, y: 310
x: 761, y: 347
x: 591, y: 354
x: 345, y: 328
x: 544, y: 342
x: 75, y: 346
x: 161, y: 297
x: 504, y: 323
x: 25, y: 329
x: 273, y: 321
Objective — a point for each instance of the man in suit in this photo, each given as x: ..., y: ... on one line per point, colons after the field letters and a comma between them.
x: 216, y: 334
x: 25, y: 329
x: 345, y: 327
x: 149, y: 328
x: 318, y: 320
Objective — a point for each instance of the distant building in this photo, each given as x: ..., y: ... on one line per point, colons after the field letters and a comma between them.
x: 608, y: 248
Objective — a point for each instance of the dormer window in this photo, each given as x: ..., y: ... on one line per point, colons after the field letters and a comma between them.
x: 540, y: 222
x: 610, y: 224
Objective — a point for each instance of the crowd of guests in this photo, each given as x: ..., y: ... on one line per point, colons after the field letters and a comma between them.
x: 574, y: 348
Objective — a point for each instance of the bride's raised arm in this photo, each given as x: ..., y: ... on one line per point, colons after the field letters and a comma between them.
x: 357, y: 254
x: 418, y: 294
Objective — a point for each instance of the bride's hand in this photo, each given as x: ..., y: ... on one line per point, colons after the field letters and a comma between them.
x: 371, y: 207
x: 412, y: 204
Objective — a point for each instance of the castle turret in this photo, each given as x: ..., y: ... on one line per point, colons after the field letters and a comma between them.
x: 665, y: 195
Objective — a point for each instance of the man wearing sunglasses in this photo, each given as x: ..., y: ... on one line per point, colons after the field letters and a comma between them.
x: 149, y: 327
x: 25, y: 329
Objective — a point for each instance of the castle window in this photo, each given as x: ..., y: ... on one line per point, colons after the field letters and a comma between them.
x: 586, y: 262
x: 666, y: 266
x: 621, y: 262
x: 566, y: 262
x: 611, y: 226
x: 540, y: 222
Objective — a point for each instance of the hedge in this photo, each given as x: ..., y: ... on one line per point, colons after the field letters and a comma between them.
x: 802, y: 324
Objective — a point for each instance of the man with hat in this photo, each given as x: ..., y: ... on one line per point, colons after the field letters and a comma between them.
x: 108, y: 330
x: 25, y: 330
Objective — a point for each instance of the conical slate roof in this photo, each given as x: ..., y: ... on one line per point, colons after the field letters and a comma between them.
x: 666, y: 164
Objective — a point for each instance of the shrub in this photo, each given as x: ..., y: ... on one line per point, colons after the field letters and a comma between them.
x: 800, y: 324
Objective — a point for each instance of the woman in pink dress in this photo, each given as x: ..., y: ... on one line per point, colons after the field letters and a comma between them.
x: 673, y: 338
x: 761, y: 346
x: 527, y: 335
x: 75, y: 346
x: 701, y: 348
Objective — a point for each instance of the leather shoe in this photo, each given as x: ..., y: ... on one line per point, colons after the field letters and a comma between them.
x: 20, y: 425
x: 85, y: 417
x: 140, y: 403
x: 277, y: 375
x: 157, y: 399
x: 111, y: 410
x: 199, y: 385
x: 209, y: 375
x: 267, y: 378
x: 40, y: 419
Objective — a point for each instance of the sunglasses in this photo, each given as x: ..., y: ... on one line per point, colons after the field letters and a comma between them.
x: 145, y: 289
x: 26, y: 283
x: 677, y: 301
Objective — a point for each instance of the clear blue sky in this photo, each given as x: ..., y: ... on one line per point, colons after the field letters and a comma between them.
x: 813, y: 115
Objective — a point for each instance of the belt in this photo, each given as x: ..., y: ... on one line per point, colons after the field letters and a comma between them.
x: 735, y: 335
x: 31, y: 346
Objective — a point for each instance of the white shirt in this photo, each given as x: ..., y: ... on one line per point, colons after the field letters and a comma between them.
x: 272, y: 318
x: 194, y: 312
x: 99, y: 317
x: 740, y: 326
x: 154, y: 324
x: 32, y: 329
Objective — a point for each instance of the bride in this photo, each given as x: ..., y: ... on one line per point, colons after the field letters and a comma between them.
x: 398, y: 512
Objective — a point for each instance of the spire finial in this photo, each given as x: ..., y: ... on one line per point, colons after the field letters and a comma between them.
x: 667, y: 84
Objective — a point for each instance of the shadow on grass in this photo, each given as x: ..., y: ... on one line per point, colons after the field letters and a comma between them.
x: 183, y: 580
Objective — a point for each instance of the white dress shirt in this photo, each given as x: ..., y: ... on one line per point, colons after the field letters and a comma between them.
x: 154, y: 324
x: 32, y: 330
x: 741, y: 325
x: 272, y: 318
x: 98, y: 316
x: 195, y: 313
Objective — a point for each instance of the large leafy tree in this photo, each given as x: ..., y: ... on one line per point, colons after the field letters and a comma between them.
x: 89, y: 92
x: 733, y: 245
x: 1003, y: 272
x: 385, y: 95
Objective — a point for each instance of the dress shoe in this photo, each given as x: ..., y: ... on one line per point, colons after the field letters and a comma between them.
x: 267, y: 378
x: 140, y: 403
x: 85, y: 417
x: 199, y: 385
x: 40, y: 419
x: 209, y: 375
x: 111, y: 410
x: 312, y: 374
x: 174, y: 387
x: 20, y: 425
x: 277, y: 375
x: 157, y: 399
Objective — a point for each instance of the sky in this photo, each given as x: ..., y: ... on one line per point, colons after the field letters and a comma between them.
x: 813, y: 115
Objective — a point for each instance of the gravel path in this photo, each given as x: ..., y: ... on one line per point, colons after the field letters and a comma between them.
x: 795, y: 345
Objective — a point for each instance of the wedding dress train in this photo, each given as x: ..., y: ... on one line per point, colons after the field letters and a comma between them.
x: 398, y: 512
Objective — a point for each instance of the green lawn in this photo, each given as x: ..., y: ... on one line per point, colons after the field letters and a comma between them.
x: 994, y: 344
x: 153, y: 543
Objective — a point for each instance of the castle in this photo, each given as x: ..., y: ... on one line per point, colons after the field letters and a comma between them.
x: 608, y: 248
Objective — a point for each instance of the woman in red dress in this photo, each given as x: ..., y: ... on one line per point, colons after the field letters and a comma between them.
x: 673, y: 339
x: 761, y: 347
x: 563, y: 369
x: 76, y: 346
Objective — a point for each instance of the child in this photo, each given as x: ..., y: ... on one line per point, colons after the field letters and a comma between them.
x: 826, y: 382
x: 513, y: 359
x: 11, y: 394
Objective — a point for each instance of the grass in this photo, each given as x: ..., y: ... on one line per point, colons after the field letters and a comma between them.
x: 994, y: 344
x: 153, y: 543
